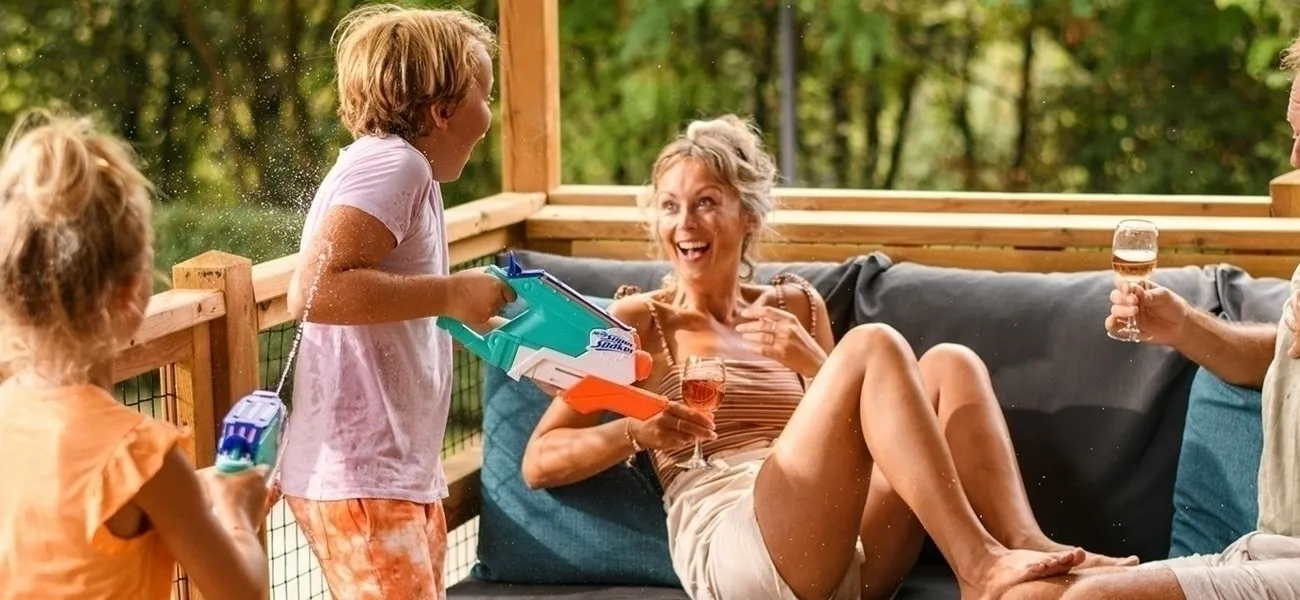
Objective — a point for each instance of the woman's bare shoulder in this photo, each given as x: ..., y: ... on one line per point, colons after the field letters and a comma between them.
x: 633, y: 309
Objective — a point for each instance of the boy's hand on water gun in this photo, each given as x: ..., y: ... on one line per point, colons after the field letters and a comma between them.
x: 675, y: 427
x: 238, y: 498
x: 477, y: 296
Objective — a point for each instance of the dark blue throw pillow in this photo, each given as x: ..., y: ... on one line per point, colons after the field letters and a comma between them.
x: 607, y: 530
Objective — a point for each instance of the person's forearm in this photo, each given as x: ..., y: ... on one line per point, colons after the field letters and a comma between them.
x: 251, y: 583
x: 568, y: 455
x: 366, y: 296
x: 1237, y: 353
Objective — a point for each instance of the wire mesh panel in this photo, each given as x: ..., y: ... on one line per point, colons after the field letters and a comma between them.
x: 154, y: 394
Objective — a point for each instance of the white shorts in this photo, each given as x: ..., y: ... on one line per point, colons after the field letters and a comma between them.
x: 713, y: 535
x: 1257, y: 566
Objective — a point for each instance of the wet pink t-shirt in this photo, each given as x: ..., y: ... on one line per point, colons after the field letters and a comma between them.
x: 370, y: 402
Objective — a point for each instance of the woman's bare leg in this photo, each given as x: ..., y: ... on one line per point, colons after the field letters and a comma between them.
x: 892, y: 538
x: 810, y: 495
x: 972, y: 422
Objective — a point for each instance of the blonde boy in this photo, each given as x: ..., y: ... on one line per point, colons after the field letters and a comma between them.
x: 372, y: 387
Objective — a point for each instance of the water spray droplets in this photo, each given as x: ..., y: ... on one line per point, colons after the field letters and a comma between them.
x: 306, y: 310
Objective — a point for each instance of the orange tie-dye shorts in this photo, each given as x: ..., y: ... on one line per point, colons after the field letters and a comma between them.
x: 372, y: 549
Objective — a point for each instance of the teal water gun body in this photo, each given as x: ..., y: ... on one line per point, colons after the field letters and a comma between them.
x: 250, y: 433
x: 565, y: 340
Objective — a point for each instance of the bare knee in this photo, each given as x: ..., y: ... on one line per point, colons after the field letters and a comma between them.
x: 950, y: 358
x: 876, y: 340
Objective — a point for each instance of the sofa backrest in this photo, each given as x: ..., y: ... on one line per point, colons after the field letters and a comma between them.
x: 1096, y: 423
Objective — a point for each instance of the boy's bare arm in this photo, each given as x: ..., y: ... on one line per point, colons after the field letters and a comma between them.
x: 342, y: 265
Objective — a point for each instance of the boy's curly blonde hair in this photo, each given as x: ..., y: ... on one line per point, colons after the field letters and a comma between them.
x: 1291, y: 57
x: 395, y: 62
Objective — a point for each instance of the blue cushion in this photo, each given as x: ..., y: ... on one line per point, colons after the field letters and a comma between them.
x: 1216, y: 492
x: 609, y: 529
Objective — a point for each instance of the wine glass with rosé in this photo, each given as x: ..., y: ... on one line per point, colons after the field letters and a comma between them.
x: 1135, y: 250
x: 703, y: 380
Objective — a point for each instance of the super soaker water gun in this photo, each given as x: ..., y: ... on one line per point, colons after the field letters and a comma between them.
x: 566, y: 341
x: 250, y: 433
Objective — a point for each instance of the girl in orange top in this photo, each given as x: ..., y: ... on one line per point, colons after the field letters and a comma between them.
x: 97, y: 500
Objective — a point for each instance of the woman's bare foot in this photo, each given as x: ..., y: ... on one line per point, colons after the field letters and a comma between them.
x: 1090, y: 559
x: 1018, y: 566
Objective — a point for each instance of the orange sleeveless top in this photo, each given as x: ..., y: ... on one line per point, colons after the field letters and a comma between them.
x: 758, y: 398
x: 71, y: 458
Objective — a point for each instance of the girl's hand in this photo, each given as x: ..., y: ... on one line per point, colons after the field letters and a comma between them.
x: 780, y: 336
x: 676, y: 427
x: 239, y: 499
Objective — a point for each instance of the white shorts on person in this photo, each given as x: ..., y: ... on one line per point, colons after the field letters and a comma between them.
x: 1257, y: 566
x: 713, y: 535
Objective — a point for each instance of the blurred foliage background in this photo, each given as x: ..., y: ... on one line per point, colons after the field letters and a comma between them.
x: 232, y: 105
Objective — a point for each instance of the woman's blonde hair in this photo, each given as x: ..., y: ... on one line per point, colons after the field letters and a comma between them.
x: 395, y: 62
x: 74, y: 227
x: 732, y: 151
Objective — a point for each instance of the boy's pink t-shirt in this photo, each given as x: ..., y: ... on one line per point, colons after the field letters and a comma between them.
x: 370, y: 402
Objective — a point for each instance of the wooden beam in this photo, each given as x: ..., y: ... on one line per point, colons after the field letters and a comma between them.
x: 1285, y: 193
x: 530, y: 95
x: 176, y: 310
x: 493, y: 212
x: 197, y: 402
x: 929, y: 229
x: 464, y: 488
x: 487, y: 243
x: 271, y: 278
x: 985, y: 258
x: 951, y: 202
x: 234, y: 349
x: 154, y: 354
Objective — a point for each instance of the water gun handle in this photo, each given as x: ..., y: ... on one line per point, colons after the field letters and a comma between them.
x: 467, y: 337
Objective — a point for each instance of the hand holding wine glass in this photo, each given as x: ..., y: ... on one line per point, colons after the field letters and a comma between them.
x: 703, y: 380
x: 1133, y: 258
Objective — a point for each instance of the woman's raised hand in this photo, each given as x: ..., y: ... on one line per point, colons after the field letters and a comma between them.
x: 676, y: 427
x: 780, y: 336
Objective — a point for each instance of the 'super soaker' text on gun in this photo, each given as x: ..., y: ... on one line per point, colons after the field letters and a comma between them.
x: 566, y: 341
x: 250, y: 433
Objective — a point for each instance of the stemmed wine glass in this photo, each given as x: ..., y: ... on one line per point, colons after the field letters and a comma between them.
x: 703, y: 380
x: 1133, y: 258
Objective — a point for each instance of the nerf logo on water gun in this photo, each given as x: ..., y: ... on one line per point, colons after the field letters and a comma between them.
x: 610, y: 340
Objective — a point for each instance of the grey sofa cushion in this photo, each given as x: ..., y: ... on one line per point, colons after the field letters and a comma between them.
x: 1096, y: 423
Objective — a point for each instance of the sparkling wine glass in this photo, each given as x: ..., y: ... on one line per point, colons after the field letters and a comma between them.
x: 1133, y: 258
x: 703, y: 380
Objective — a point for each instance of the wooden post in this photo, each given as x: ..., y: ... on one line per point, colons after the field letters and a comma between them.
x: 1285, y: 192
x: 530, y: 95
x: 233, y: 351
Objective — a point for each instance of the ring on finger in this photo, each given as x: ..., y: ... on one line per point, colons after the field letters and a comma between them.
x: 769, y: 325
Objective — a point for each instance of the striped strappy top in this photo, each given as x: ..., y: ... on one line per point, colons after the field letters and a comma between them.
x: 759, y: 396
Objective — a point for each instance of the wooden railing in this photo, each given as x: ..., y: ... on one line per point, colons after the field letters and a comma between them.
x: 995, y: 231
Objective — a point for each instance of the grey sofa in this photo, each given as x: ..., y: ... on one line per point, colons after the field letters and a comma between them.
x: 1097, y: 424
